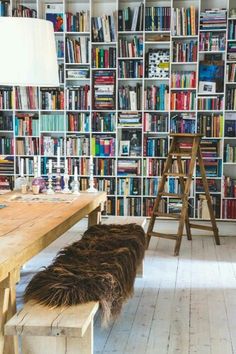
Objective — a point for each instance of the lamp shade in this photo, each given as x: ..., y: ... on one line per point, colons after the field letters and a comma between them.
x: 28, y: 52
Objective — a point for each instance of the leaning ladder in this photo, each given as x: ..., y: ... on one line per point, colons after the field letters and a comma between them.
x: 183, y: 146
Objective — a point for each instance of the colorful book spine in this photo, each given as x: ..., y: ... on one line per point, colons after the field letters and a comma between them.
x: 104, y: 58
x: 78, y: 145
x: 184, y: 100
x: 156, y: 97
x: 52, y: 99
x: 131, y: 48
x: 78, y: 98
x: 154, y: 122
x: 157, y: 18
x: 78, y: 22
x: 103, y: 122
x: 210, y: 125
x: 183, y: 79
x: 214, y: 103
x: 6, y: 98
x: 130, y: 69
x: 78, y: 122
x: 184, y: 21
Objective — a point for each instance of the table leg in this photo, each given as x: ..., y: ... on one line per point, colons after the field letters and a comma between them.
x: 94, y: 217
x: 8, y: 344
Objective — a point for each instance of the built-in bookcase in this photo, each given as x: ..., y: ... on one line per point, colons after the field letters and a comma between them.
x: 130, y: 73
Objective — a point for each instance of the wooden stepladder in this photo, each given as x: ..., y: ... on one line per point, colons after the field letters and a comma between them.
x: 183, y: 147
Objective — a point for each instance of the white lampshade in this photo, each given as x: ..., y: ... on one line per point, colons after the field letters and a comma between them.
x: 28, y: 52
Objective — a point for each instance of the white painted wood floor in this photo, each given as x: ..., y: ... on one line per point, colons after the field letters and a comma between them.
x: 183, y: 305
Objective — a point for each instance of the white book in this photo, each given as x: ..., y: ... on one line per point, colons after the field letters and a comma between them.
x: 133, y: 100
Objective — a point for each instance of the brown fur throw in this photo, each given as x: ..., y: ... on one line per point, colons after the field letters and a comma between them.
x: 100, y: 267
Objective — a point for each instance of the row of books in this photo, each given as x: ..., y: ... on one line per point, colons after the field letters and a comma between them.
x: 59, y: 47
x: 52, y: 122
x: 82, y: 72
x: 4, y: 8
x: 155, y: 147
x: 6, y: 145
x: 26, y: 97
x: 229, y: 153
x: 214, y: 103
x: 107, y: 185
x: 6, y: 98
x: 23, y: 11
x: 52, y: 99
x: 130, y: 69
x: 131, y: 19
x: 128, y: 186
x: 104, y: 90
x: 212, y: 185
x: 213, y: 19
x: 103, y: 145
x: 78, y: 22
x: 185, y: 51
x: 231, y: 72
x: 128, y: 206
x: 103, y: 29
x: 26, y: 125
x: 27, y: 146
x: 78, y: 122
x: 131, y: 47
x: 183, y: 101
x: 148, y: 205
x: 211, y: 41
x: 104, y: 167
x: 183, y: 123
x: 156, y: 97
x: 150, y: 187
x: 77, y: 50
x: 78, y: 146
x: 103, y: 122
x: 6, y: 122
x: 109, y: 206
x: 210, y: 125
x: 232, y: 30
x: 153, y: 167
x: 78, y: 98
x: 154, y: 122
x: 229, y: 209
x: 157, y: 18
x: 183, y: 79
x: 184, y: 21
x: 230, y: 99
x: 49, y: 145
x: 104, y: 58
x: 130, y: 97
x: 229, y: 187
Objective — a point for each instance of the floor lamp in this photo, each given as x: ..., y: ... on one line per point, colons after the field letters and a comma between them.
x: 28, y: 58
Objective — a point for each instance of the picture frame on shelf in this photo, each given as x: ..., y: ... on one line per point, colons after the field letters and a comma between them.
x: 207, y: 87
x: 124, y: 147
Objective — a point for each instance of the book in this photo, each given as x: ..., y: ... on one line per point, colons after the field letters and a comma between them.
x: 54, y: 13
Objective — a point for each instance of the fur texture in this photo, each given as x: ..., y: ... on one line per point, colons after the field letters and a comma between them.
x: 100, y: 267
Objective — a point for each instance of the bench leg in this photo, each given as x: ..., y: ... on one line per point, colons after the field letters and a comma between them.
x: 94, y: 217
x: 8, y: 344
x: 59, y: 345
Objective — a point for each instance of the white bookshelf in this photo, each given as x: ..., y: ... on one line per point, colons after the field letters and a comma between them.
x: 110, y: 7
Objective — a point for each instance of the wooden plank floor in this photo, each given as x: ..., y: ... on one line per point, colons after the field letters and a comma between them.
x: 183, y: 305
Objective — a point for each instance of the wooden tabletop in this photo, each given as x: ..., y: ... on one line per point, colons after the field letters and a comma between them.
x: 27, y: 227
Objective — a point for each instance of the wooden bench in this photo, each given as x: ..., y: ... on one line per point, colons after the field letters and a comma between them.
x: 54, y: 331
x: 128, y: 220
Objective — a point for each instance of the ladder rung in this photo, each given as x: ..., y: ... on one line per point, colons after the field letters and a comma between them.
x: 175, y: 174
x: 167, y: 215
x: 182, y: 154
x: 173, y: 195
x: 158, y: 234
x: 203, y: 227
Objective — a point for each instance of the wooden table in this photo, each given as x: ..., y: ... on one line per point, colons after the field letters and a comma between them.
x: 26, y: 228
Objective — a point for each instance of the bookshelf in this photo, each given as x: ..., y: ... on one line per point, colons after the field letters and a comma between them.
x: 122, y: 91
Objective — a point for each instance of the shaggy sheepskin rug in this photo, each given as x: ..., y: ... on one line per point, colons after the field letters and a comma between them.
x: 100, y: 267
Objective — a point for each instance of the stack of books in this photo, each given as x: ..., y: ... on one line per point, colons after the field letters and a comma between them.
x: 131, y: 19
x: 213, y: 19
x: 104, y: 90
x: 6, y: 164
x: 103, y: 29
x: 130, y: 119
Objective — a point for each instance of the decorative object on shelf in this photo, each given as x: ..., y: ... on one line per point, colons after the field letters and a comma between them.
x: 91, y: 188
x: 58, y: 175
x: 75, y: 183
x: 50, y: 188
x: 21, y: 181
x: 232, y: 13
x: 124, y: 147
x: 207, y: 86
x: 66, y: 188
